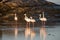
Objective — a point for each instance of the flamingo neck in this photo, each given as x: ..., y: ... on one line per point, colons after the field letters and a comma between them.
x: 25, y: 15
x: 40, y: 15
x: 30, y: 17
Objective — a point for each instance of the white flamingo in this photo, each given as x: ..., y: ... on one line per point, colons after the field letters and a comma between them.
x: 15, y: 18
x: 27, y: 20
x: 42, y: 18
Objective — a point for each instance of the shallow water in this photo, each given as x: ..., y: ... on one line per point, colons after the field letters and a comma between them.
x: 19, y: 34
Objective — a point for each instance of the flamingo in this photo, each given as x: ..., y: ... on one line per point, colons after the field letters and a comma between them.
x: 15, y: 18
x: 27, y: 20
x: 43, y: 19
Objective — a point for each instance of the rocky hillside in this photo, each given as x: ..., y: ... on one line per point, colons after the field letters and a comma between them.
x: 31, y: 7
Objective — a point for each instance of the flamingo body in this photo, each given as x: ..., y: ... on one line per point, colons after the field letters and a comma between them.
x: 32, y: 20
x: 42, y: 18
x: 26, y: 18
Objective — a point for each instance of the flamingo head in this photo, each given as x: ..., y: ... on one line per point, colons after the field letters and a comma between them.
x: 40, y: 15
x: 31, y: 17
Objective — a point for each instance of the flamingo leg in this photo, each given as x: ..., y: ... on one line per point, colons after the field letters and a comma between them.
x: 42, y: 22
x: 44, y: 36
x: 29, y: 24
x: 16, y: 24
x: 43, y: 32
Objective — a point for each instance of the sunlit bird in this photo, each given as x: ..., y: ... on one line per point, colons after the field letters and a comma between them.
x: 27, y: 20
x: 15, y: 18
x: 42, y: 18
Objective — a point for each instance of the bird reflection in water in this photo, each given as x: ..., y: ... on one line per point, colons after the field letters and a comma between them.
x: 16, y: 32
x: 27, y: 20
x: 32, y: 35
x: 29, y: 32
x: 43, y: 32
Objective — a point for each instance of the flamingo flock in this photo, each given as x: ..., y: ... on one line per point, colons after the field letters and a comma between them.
x: 43, y: 19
